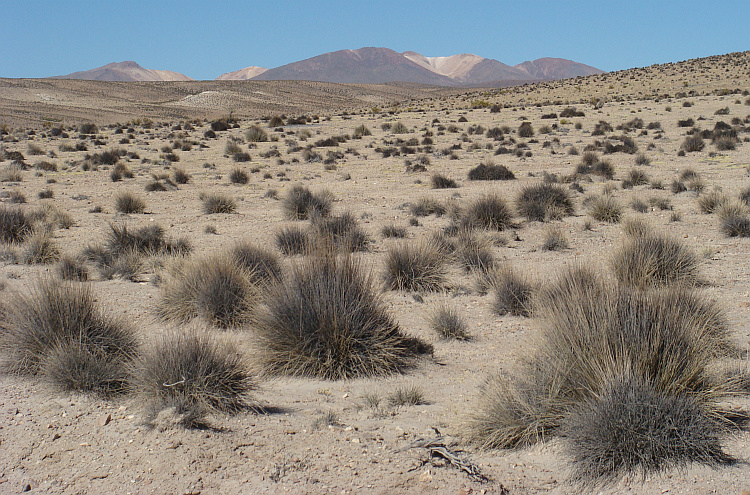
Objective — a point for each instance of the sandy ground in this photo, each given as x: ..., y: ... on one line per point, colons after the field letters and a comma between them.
x: 53, y: 442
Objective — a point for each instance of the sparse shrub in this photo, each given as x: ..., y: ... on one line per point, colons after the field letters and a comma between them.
x: 326, y: 320
x: 194, y: 373
x: 58, y: 331
x: 399, y: 128
x: 216, y: 289
x: 511, y: 292
x: 639, y: 205
x: 393, y: 231
x: 642, y: 160
x: 605, y: 208
x: 654, y: 259
x: 632, y: 427
x: 180, y: 176
x: 490, y: 171
x: 439, y: 181
x: 15, y: 225
x: 72, y: 269
x: 525, y: 130
x: 300, y: 204
x: 232, y: 147
x: 410, y: 395
x: 593, y: 333
x: 473, y: 252
x: 544, y: 201
x: 341, y: 231
x: 489, y: 212
x: 276, y: 121
x: 16, y: 197
x: 40, y: 248
x: 11, y: 172
x: 238, y: 176
x: 155, y: 186
x: 242, y: 156
x: 427, y: 206
x: 448, y: 323
x: 693, y: 143
x: 416, y: 267
x: 635, y: 177
x: 292, y: 241
x: 217, y: 203
x: 126, y: 202
x: 708, y: 203
x: 147, y: 240
x: 46, y: 194
x: 360, y: 131
x: 677, y: 186
x: 262, y: 265
x: 636, y: 226
x: 554, y: 240
x: 725, y: 143
x: 88, y: 128
x: 256, y: 134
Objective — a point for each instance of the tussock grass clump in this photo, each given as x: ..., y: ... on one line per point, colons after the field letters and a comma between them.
x: 427, y: 206
x: 439, y: 181
x: 292, y: 241
x: 238, y: 176
x: 301, y: 203
x: 630, y: 427
x: 73, y: 269
x: 447, y: 323
x: 544, y: 201
x: 709, y: 202
x: 147, y: 240
x: 488, y: 212
x: 407, y: 395
x: 40, y: 248
x: 605, y: 209
x: 393, y: 231
x: 326, y: 320
x: 126, y: 202
x: 15, y: 225
x: 511, y: 291
x: 262, y: 265
x: 217, y: 203
x: 489, y: 171
x: 472, y: 251
x: 215, y: 288
x: 593, y: 334
x: 341, y: 231
x: 416, y: 267
x: 734, y: 219
x: 554, y: 240
x: 256, y: 134
x: 693, y: 143
x: 58, y: 331
x: 180, y: 176
x: 11, y: 172
x: 655, y: 259
x: 194, y: 373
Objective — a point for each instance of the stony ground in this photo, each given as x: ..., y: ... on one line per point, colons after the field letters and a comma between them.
x: 326, y: 437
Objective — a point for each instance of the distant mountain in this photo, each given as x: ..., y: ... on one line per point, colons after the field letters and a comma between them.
x: 242, y: 74
x: 125, y: 71
x: 366, y: 66
x: 380, y: 65
x: 556, y: 68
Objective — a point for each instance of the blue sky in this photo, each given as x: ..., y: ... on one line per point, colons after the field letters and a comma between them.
x: 203, y: 39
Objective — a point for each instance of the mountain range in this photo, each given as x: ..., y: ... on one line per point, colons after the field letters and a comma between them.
x: 371, y: 66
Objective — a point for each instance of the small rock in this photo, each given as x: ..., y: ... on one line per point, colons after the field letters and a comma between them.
x: 104, y: 420
x: 426, y: 476
x: 465, y: 491
x: 26, y: 488
x: 55, y: 436
x: 12, y: 411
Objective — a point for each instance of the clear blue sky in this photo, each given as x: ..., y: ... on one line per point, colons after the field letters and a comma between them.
x: 203, y: 39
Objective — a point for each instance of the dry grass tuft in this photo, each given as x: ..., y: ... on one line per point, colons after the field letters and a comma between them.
x: 326, y: 320
x: 416, y: 267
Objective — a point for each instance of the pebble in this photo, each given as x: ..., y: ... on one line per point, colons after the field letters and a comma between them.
x: 104, y: 420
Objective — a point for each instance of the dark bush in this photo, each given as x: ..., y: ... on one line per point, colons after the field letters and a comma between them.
x: 300, y: 204
x: 58, y: 331
x: 194, y: 373
x: 655, y: 259
x: 490, y: 171
x: 341, y: 232
x: 215, y: 288
x: 217, y: 203
x: 439, y: 181
x: 238, y: 176
x: 126, y: 202
x: 15, y: 225
x: 489, y: 212
x: 420, y: 267
x: 328, y: 321
x: 693, y: 143
x: 544, y: 201
x: 293, y: 240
